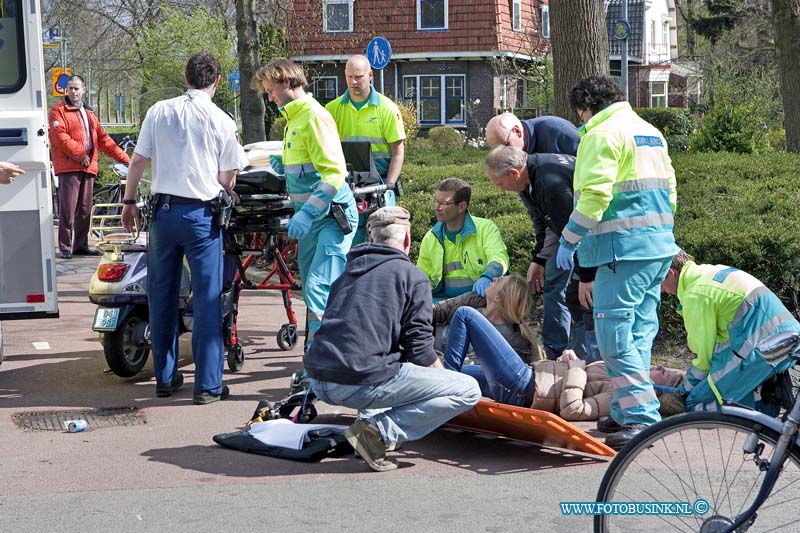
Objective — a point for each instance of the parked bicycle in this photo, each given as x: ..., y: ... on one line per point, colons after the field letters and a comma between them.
x: 738, y: 469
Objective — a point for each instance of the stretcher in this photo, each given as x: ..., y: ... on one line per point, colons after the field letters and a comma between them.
x: 529, y: 425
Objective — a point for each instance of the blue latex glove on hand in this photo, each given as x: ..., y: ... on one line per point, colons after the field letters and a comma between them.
x: 299, y: 225
x: 565, y: 259
x: 276, y: 162
x: 480, y: 286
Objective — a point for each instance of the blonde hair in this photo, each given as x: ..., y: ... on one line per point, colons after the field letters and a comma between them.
x: 516, y: 303
x: 279, y: 71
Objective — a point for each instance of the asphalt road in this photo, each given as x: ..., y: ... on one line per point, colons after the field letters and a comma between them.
x: 167, y: 473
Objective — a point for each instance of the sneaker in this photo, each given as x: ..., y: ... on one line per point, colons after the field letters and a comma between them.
x: 95, y: 253
x: 622, y: 437
x: 206, y: 397
x: 366, y: 440
x: 64, y: 254
x: 606, y: 424
x: 165, y: 391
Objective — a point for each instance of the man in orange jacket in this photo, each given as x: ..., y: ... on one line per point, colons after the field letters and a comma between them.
x: 76, y: 136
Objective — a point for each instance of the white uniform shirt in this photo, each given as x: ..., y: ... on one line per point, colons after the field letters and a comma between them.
x: 189, y: 141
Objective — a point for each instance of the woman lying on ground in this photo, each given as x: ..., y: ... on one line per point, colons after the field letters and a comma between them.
x: 567, y: 387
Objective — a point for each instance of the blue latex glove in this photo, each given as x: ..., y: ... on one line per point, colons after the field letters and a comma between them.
x: 276, y: 162
x: 565, y: 259
x: 480, y: 286
x: 299, y: 225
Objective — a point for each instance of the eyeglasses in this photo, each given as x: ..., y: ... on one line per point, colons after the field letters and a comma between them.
x: 437, y: 203
x: 508, y: 138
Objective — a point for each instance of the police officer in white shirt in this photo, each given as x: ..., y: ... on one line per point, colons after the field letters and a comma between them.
x: 194, y: 151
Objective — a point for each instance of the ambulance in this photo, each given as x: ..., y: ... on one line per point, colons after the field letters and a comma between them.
x: 27, y: 255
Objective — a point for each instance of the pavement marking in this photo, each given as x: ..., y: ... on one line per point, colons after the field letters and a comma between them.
x: 41, y: 345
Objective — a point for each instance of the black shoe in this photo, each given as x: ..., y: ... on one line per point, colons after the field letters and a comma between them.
x: 209, y: 397
x: 606, y: 424
x: 64, y: 254
x: 165, y: 391
x: 94, y: 253
x: 622, y: 437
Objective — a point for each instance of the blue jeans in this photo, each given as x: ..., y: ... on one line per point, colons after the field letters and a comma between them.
x: 501, y: 374
x: 409, y: 405
x: 556, y: 315
x: 186, y: 229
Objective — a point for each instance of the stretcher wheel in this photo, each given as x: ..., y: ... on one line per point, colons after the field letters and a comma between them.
x: 287, y: 336
x: 235, y: 357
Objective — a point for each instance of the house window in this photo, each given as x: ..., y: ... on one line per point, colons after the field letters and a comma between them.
x: 665, y: 35
x: 438, y: 99
x: 14, y: 72
x: 337, y: 16
x: 546, y: 22
x: 432, y: 14
x: 325, y: 89
x: 516, y: 15
x: 658, y: 94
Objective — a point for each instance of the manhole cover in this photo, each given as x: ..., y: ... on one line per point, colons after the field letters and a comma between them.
x: 95, y: 418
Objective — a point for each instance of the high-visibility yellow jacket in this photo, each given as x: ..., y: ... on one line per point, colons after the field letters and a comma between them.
x: 377, y: 122
x: 312, y: 158
x: 453, y: 267
x: 625, y: 191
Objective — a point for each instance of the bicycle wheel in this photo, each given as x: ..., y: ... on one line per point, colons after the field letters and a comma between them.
x: 699, y: 456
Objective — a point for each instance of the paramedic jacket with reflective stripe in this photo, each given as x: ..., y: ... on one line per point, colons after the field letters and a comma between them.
x: 312, y: 158
x: 377, y: 122
x: 724, y: 311
x: 625, y: 192
x: 452, y: 268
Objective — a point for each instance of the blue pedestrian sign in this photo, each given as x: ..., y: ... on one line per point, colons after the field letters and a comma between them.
x: 379, y: 52
x: 233, y: 76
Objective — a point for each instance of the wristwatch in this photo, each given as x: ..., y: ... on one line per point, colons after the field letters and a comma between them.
x: 125, y: 201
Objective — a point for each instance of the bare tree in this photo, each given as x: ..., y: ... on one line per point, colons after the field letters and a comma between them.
x: 580, y: 47
x: 786, y: 17
x: 252, y: 104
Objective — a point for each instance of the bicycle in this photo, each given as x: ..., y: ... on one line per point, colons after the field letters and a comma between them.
x: 737, y: 468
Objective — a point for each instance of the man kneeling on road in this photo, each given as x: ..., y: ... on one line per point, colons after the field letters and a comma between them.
x: 374, y: 349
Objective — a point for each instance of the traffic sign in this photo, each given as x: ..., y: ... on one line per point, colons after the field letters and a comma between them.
x: 233, y: 75
x: 235, y: 85
x: 379, y: 52
x: 60, y: 80
x: 621, y: 30
x: 55, y: 33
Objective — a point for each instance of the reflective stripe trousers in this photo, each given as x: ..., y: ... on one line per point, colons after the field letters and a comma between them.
x: 627, y: 295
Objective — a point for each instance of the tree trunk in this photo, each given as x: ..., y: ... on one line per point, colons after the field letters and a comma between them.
x: 786, y: 18
x: 252, y: 104
x: 580, y: 47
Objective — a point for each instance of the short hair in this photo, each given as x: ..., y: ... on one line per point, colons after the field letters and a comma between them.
x: 202, y: 70
x: 503, y: 123
x: 463, y: 190
x: 279, y: 71
x: 501, y: 159
x: 595, y: 93
x: 679, y: 260
x: 79, y: 78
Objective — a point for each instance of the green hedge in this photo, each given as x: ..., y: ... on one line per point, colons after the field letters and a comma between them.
x: 669, y: 120
x: 734, y: 209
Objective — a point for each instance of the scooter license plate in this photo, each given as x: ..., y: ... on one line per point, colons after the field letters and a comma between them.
x: 105, y: 319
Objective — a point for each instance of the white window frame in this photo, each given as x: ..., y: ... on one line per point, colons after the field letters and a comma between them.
x: 545, y: 28
x: 420, y: 27
x: 315, y: 84
x: 325, y: 4
x: 654, y: 95
x: 443, y: 79
x: 516, y: 15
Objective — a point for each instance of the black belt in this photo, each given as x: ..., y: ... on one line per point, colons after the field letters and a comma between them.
x: 162, y: 199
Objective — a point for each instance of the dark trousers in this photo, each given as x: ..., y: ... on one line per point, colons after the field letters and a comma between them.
x: 75, y: 190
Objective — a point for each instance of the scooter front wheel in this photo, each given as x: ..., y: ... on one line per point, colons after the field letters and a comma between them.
x: 122, y: 349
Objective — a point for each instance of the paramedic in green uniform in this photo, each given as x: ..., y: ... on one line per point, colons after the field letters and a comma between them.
x: 364, y: 114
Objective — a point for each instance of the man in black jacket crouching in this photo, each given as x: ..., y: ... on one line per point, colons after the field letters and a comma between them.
x: 374, y: 349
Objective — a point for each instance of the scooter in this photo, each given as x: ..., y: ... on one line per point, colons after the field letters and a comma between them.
x: 119, y: 289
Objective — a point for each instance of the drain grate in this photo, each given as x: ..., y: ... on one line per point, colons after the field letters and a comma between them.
x: 95, y: 418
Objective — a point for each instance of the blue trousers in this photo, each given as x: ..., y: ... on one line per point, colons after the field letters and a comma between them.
x: 627, y: 296
x: 186, y: 229
x: 409, y: 405
x: 322, y: 255
x: 501, y: 374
